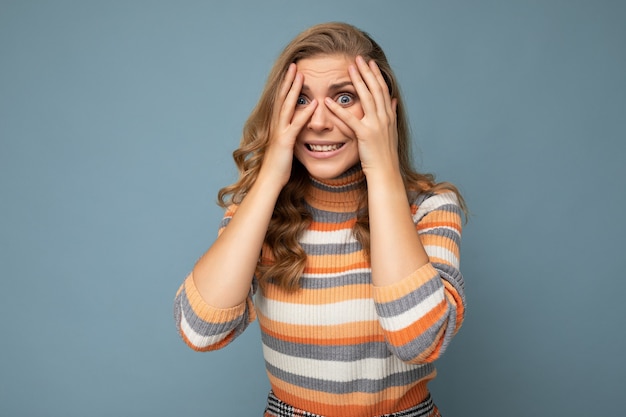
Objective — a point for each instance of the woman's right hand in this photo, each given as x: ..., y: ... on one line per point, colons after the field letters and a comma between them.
x: 285, y: 126
x: 224, y: 273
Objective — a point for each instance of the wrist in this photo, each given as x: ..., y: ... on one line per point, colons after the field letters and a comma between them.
x: 268, y: 183
x: 384, y: 178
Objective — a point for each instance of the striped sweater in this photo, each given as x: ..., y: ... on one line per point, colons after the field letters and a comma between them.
x: 340, y: 346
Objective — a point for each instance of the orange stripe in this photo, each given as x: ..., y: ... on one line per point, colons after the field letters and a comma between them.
x: 432, y: 352
x: 319, y: 226
x: 403, y: 336
x: 433, y: 224
x: 344, y: 334
x: 441, y: 241
x: 438, y: 260
x: 310, y: 340
x: 335, y: 269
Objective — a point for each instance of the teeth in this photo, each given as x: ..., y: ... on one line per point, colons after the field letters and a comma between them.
x: 324, y: 148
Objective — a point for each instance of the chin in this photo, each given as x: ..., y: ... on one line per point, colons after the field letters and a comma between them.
x: 326, y: 171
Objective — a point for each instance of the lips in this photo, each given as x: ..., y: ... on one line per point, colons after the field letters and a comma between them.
x: 323, y: 148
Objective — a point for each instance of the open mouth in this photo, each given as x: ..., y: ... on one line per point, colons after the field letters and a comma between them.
x: 323, y: 148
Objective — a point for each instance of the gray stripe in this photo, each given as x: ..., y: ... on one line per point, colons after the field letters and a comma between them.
x: 331, y: 217
x: 444, y: 232
x: 450, y: 208
x: 353, y: 185
x: 331, y: 248
x: 344, y: 353
x: 399, y: 306
x: 224, y: 222
x: 453, y: 276
x: 356, y: 278
x: 357, y: 385
x: 178, y: 315
x: 203, y: 327
x: 339, y: 189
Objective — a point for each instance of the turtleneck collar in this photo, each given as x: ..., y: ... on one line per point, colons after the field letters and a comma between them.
x: 337, y: 194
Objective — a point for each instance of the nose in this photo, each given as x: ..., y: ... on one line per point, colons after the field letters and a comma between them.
x: 321, y: 119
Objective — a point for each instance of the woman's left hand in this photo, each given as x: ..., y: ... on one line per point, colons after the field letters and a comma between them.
x: 376, y: 131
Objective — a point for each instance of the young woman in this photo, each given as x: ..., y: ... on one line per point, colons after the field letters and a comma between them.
x: 348, y: 257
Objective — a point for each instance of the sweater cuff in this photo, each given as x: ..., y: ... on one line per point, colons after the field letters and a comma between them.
x: 207, y: 312
x: 405, y: 286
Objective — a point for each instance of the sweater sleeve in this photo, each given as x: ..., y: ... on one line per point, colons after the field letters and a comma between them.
x: 204, y: 327
x: 421, y: 313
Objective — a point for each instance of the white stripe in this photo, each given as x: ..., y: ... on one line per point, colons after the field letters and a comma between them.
x: 343, y: 312
x: 442, y: 253
x: 371, y: 368
x: 318, y: 237
x: 414, y: 314
x: 197, y: 339
x: 339, y: 274
x: 434, y: 202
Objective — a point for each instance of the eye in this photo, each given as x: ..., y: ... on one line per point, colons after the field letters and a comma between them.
x: 344, y: 99
x: 302, y: 101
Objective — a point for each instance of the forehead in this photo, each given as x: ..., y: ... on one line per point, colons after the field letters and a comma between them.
x: 324, y: 68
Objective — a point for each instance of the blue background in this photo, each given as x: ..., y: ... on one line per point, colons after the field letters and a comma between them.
x: 117, y: 123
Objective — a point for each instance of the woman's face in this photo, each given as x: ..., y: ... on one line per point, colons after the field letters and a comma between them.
x: 326, y: 146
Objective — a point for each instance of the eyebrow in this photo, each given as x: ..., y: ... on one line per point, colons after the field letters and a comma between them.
x: 332, y: 87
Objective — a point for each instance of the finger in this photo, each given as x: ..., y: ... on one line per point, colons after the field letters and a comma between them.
x: 365, y: 97
x: 381, y: 81
x: 300, y: 118
x: 373, y: 85
x: 289, y: 103
x: 284, y: 88
x: 353, y: 122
